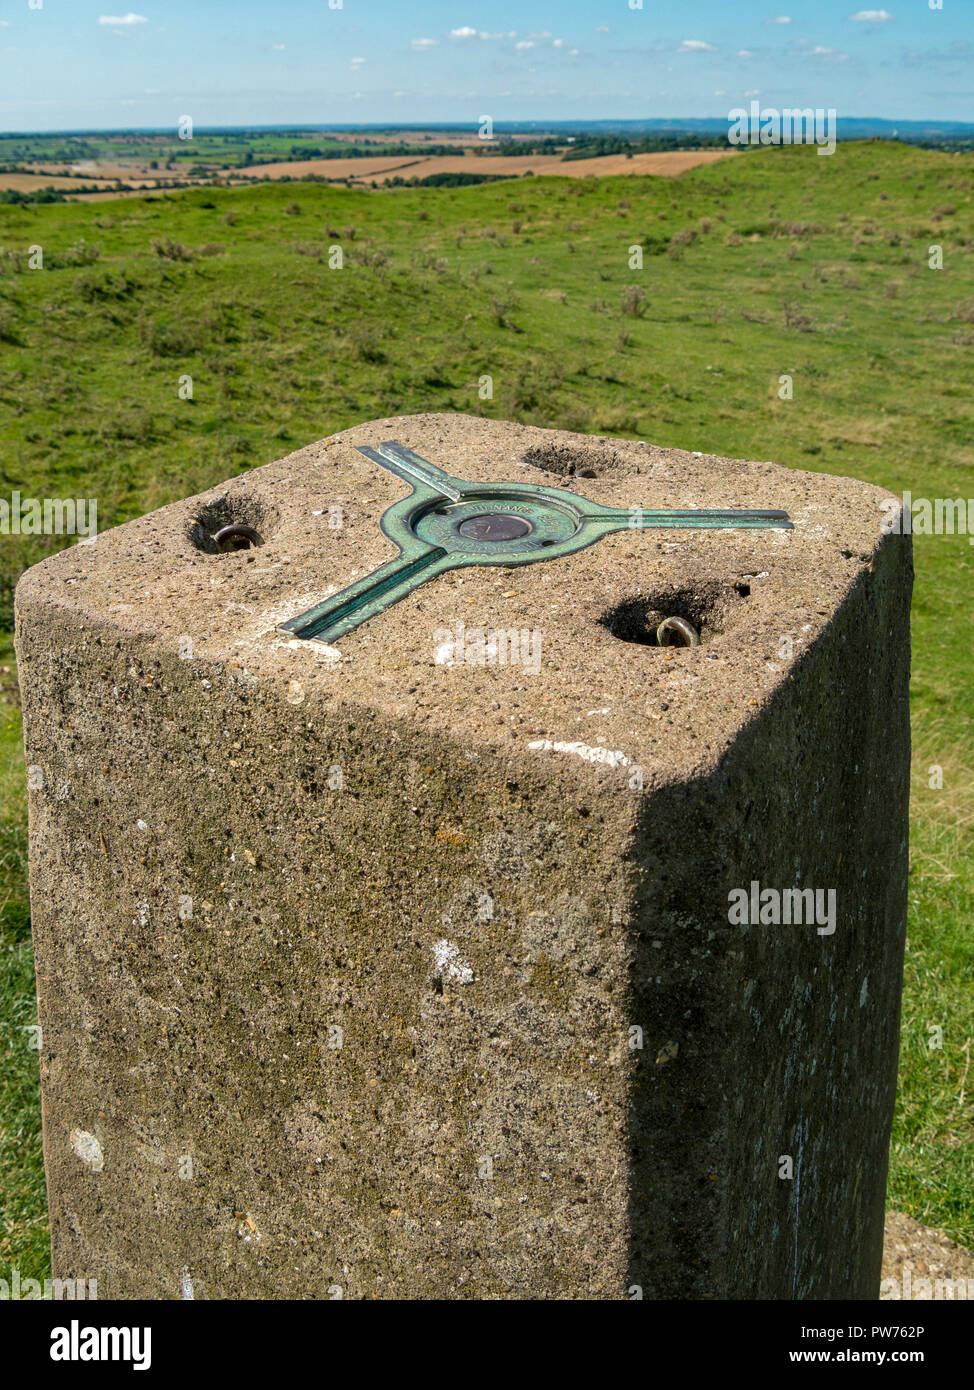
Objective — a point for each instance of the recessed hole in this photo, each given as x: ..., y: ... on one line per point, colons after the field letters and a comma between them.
x: 637, y: 619
x: 570, y: 461
x: 230, y: 524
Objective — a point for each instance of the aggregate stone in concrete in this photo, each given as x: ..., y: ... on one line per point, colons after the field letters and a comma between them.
x: 367, y: 971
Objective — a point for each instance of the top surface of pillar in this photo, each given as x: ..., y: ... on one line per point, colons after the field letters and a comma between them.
x: 575, y: 670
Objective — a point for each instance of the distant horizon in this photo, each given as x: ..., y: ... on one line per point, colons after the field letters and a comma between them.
x: 511, y: 125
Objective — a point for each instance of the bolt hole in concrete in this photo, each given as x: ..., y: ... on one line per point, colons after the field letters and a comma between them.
x: 230, y: 524
x: 683, y: 616
x: 570, y: 462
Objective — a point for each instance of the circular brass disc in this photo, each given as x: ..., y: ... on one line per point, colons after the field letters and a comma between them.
x: 494, y: 526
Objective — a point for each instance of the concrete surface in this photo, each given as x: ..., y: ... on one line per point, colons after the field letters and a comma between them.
x: 376, y: 976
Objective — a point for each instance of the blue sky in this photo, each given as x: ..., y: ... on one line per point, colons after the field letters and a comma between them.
x: 70, y: 64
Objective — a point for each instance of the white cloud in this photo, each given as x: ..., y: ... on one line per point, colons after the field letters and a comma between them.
x: 524, y: 45
x: 744, y: 53
x: 115, y: 20
x: 277, y: 48
x: 871, y: 17
x: 819, y: 51
x: 420, y: 45
x: 558, y: 43
x: 465, y: 32
x: 603, y: 29
x: 781, y: 19
x: 696, y: 46
x: 356, y: 63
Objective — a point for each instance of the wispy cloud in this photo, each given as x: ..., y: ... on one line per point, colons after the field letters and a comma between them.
x: 871, y: 17
x: 696, y: 46
x: 779, y: 19
x: 465, y: 32
x: 421, y: 45
x: 116, y: 20
x: 961, y: 50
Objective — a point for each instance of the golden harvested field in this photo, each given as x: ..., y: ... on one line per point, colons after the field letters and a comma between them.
x: 130, y: 172
x: 381, y: 169
x: 26, y: 183
x: 365, y: 168
x: 669, y: 162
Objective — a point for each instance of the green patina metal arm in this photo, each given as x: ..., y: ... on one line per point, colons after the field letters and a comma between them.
x: 447, y: 522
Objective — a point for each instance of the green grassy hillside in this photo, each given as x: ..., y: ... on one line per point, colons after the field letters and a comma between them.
x: 777, y: 262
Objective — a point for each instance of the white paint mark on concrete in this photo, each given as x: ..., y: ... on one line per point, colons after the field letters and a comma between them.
x: 88, y: 1149
x: 612, y: 758
x: 324, y: 651
x: 449, y: 966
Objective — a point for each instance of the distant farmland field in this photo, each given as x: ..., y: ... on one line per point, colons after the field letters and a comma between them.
x: 366, y: 169
x: 668, y: 162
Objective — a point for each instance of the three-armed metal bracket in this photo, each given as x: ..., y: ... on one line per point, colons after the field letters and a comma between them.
x: 447, y: 522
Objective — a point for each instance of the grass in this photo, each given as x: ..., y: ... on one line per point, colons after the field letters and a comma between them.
x: 778, y: 262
